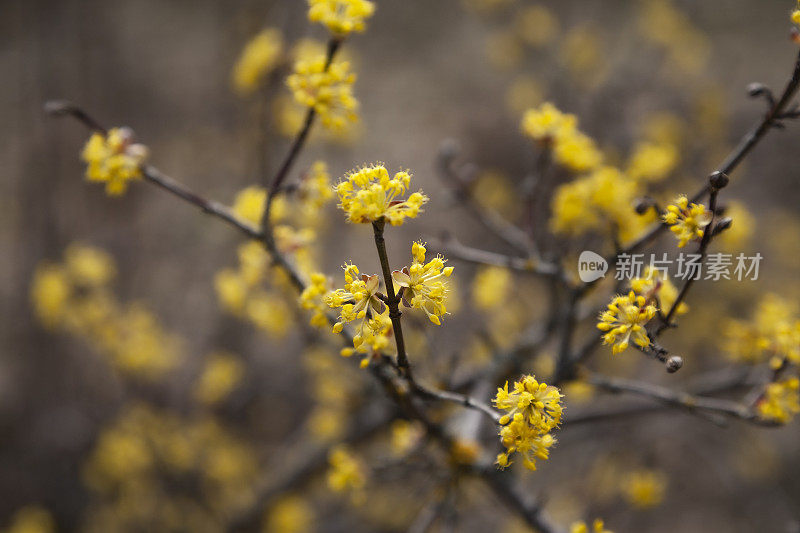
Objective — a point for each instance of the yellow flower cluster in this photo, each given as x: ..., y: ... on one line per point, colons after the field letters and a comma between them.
x: 773, y: 334
x: 375, y: 340
x: 571, y: 148
x: 313, y: 299
x: 347, y: 474
x: 328, y: 90
x: 370, y: 194
x: 655, y: 285
x: 114, y: 159
x: 598, y: 526
x: 602, y: 199
x: 781, y: 401
x: 260, y: 57
x: 421, y: 284
x: 652, y: 162
x: 687, y: 221
x: 75, y: 297
x: 135, y: 462
x: 533, y: 409
x: 240, y: 292
x: 624, y: 319
x: 358, y: 301
x: 796, y: 15
x: 221, y: 374
x: 490, y: 287
x: 341, y: 17
x: 315, y: 191
x: 644, y: 488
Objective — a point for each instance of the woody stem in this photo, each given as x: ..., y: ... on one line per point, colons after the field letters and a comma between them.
x: 393, y: 302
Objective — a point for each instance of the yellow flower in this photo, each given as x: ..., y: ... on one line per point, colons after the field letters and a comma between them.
x: 520, y: 437
x: 537, y: 25
x: 546, y: 123
x: 346, y: 474
x: 260, y: 57
x: 328, y: 90
x: 222, y: 372
x: 114, y: 159
x: 490, y: 287
x: 644, y: 488
x: 269, y: 312
x: 773, y: 332
x: 597, y: 527
x: 374, y: 340
x: 577, y: 151
x: 421, y: 284
x: 32, y: 519
x: 651, y: 162
x: 87, y: 266
x: 405, y: 436
x: 370, y: 194
x: 358, y: 301
x: 50, y: 293
x: 341, y: 16
x: 315, y: 190
x: 533, y: 409
x: 539, y: 403
x: 686, y: 220
x: 781, y: 401
x: 655, y: 284
x: 796, y: 15
x: 624, y: 319
x: 601, y: 200
x: 291, y: 514
x: 313, y: 298
x: 231, y: 290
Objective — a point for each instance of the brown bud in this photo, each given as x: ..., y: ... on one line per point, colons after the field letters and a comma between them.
x: 674, y: 363
x: 718, y: 180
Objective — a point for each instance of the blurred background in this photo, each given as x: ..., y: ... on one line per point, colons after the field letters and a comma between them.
x: 72, y: 423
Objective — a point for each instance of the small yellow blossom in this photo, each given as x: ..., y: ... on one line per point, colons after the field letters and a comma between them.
x: 597, y: 527
x: 781, y: 401
x: 328, y: 90
x: 371, y: 194
x: 490, y: 287
x: 315, y: 190
x: 88, y: 266
x: 405, y: 436
x: 249, y: 204
x: 313, y: 299
x: 342, y: 17
x: 546, y: 123
x: 232, y: 290
x: 222, y: 372
x: 519, y: 436
x: 773, y: 333
x: 651, y: 162
x: 375, y: 340
x: 654, y: 284
x: 686, y: 220
x: 644, y: 488
x: 624, y: 319
x: 537, y: 25
x: 291, y: 514
x: 796, y: 15
x: 358, y: 301
x: 347, y: 474
x: 539, y: 403
x: 602, y: 199
x: 31, y: 519
x: 260, y: 57
x: 571, y: 148
x: 50, y: 293
x: 533, y: 410
x: 269, y: 312
x: 114, y: 159
x: 421, y: 284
